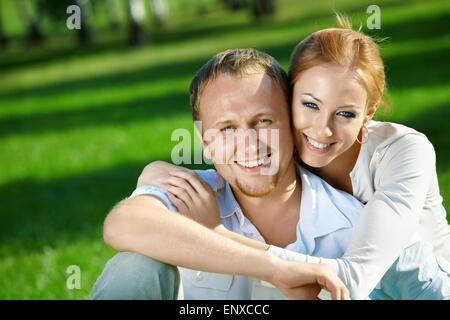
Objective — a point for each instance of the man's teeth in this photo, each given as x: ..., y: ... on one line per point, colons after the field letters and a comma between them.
x: 318, y: 145
x: 253, y: 164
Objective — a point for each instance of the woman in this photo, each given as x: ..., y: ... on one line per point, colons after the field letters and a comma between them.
x: 338, y: 83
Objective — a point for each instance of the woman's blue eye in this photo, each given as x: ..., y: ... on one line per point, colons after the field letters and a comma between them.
x: 310, y: 105
x: 347, y: 114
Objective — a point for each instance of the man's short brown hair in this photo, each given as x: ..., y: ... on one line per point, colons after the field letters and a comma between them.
x: 236, y: 62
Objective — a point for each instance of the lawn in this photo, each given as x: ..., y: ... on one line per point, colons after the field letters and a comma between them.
x: 78, y: 124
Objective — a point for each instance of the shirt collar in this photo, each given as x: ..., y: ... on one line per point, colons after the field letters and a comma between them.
x: 226, y: 200
x: 324, y: 209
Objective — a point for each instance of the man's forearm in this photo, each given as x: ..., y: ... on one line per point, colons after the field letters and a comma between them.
x: 144, y: 225
x: 241, y: 239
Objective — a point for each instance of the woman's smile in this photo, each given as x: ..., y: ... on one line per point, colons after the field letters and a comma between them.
x: 315, y: 145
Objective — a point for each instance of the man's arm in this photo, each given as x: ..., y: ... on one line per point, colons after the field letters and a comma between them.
x: 144, y: 225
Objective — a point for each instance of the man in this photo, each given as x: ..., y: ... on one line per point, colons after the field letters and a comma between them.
x: 247, y: 89
x: 237, y: 91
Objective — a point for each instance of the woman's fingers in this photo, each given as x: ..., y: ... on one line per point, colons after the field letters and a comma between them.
x: 175, y: 183
x: 178, y: 203
x: 202, y: 188
x: 328, y: 280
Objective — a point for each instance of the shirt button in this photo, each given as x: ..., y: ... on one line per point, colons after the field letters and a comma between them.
x: 199, y: 276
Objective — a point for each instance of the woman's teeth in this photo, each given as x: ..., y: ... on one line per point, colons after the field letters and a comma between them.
x: 253, y: 164
x: 318, y: 145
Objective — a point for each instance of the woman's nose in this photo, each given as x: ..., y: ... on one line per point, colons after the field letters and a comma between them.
x: 323, y: 127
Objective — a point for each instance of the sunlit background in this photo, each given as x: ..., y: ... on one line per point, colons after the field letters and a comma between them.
x: 83, y: 111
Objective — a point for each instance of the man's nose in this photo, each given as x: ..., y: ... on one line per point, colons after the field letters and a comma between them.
x: 247, y: 143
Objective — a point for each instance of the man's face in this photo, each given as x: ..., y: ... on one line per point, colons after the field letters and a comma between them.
x: 248, y: 119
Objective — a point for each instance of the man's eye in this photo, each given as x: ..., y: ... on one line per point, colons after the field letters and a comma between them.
x: 346, y: 114
x: 310, y: 105
x: 228, y: 128
x: 264, y: 121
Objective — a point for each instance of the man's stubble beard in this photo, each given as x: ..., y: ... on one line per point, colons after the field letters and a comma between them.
x: 257, y: 191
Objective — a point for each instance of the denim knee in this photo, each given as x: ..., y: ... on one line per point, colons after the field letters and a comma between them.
x: 416, y: 274
x: 131, y: 276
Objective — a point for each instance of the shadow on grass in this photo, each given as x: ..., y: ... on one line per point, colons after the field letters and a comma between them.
x: 431, y: 123
x: 418, y: 69
x: 160, y: 72
x: 116, y: 114
x: 39, y: 214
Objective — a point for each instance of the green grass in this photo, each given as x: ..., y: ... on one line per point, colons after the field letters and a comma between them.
x: 78, y: 124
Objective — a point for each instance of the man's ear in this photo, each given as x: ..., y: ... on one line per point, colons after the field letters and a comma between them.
x: 206, y: 151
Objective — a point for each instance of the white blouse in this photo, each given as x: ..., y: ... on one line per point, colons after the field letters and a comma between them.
x: 395, y: 176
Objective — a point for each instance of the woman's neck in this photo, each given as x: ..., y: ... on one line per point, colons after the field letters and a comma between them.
x: 337, y: 172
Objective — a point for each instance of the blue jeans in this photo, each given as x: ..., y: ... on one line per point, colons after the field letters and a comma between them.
x: 415, y: 275
x: 131, y: 276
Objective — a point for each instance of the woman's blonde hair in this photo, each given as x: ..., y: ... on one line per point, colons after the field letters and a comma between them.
x: 349, y: 48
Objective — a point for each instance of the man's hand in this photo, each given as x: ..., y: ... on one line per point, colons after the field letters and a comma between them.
x: 298, y: 280
x: 192, y: 197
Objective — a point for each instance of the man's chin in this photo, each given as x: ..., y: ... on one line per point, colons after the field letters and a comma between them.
x: 255, y: 191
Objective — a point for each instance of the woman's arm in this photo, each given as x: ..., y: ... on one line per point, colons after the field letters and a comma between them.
x: 391, y: 217
x: 389, y: 220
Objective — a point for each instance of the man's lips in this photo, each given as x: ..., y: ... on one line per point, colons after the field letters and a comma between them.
x: 254, y: 165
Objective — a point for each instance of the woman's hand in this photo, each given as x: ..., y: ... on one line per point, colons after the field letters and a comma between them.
x: 298, y: 280
x: 155, y: 172
x: 192, y: 197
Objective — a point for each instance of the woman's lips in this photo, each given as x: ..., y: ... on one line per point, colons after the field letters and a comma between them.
x: 315, y: 146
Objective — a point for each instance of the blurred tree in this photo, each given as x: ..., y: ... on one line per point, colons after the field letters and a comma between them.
x: 136, y: 13
x: 262, y: 8
x: 112, y: 10
x: 160, y: 11
x: 235, y: 4
x: 3, y: 38
x: 56, y: 11
x: 31, y: 19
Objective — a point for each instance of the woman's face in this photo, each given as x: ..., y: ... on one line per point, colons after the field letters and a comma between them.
x: 328, y: 110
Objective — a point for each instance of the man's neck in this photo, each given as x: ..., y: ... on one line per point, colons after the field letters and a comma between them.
x: 276, y: 214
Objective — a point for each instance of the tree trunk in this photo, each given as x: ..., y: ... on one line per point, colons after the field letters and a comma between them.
x: 262, y: 8
x: 136, y: 12
x: 30, y: 18
x: 112, y: 11
x: 160, y: 11
x: 85, y: 34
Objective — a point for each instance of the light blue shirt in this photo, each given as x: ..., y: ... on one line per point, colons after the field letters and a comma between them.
x: 324, y: 229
